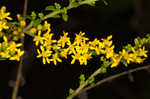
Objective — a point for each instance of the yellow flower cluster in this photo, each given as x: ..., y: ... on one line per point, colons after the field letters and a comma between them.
x: 51, y: 50
x: 8, y: 48
x: 3, y: 18
x: 82, y: 49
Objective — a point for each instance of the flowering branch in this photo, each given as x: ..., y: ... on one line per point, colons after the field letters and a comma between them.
x: 115, y: 76
x: 82, y: 86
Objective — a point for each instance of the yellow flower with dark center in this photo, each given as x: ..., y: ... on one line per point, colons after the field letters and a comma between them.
x: 45, y: 54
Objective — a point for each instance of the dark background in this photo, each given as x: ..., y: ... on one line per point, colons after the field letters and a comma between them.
x: 124, y: 19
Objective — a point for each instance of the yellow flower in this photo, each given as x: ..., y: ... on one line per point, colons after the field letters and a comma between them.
x: 5, y: 54
x: 71, y: 48
x: 21, y: 34
x: 48, y: 41
x: 79, y: 38
x: 45, y: 54
x: 47, y: 26
x: 84, y: 47
x: 116, y: 60
x: 13, y: 46
x: 84, y: 58
x: 55, y: 58
x: 19, y: 17
x: 128, y: 57
x: 15, y: 32
x: 139, y: 60
x: 107, y: 41
x: 39, y: 27
x: 64, y: 39
x: 56, y: 47
x: 5, y: 39
x: 38, y: 39
x: 22, y: 23
x: 94, y: 43
x: 75, y: 57
x: 136, y: 41
x: 108, y: 51
x: 17, y: 56
x: 32, y: 30
x: 3, y: 25
x: 64, y: 53
x: 142, y: 52
x: 4, y: 15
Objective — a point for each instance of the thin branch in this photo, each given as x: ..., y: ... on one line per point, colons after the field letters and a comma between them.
x: 25, y: 7
x: 19, y: 73
x: 115, y: 76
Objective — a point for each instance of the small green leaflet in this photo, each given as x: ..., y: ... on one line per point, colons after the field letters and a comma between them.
x: 57, y: 5
x: 50, y: 8
x: 65, y: 17
x: 105, y: 2
x: 36, y: 22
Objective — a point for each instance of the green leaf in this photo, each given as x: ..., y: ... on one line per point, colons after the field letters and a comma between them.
x: 91, y: 81
x: 105, y: 2
x: 57, y: 5
x: 28, y: 17
x: 41, y: 15
x: 36, y: 22
x: 92, y: 3
x: 102, y: 58
x: 82, y: 79
x: 103, y: 70
x: 33, y: 15
x: 50, y: 8
x: 71, y: 1
x: 56, y: 16
x: 65, y: 17
x: 71, y: 91
x: 125, y: 63
x: 75, y: 4
x: 1, y: 59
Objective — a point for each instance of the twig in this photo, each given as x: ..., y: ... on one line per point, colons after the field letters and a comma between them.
x: 115, y: 76
x: 19, y: 73
x: 25, y: 7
